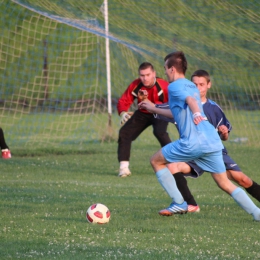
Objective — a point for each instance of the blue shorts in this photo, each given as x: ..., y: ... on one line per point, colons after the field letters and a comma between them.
x: 209, y: 162
x: 196, y: 171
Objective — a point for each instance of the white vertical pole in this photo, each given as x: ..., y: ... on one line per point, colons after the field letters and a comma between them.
x: 109, y: 107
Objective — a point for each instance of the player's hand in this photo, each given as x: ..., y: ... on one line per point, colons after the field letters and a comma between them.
x: 125, y: 116
x: 223, y: 131
x: 147, y: 105
x: 197, y: 118
x: 142, y: 94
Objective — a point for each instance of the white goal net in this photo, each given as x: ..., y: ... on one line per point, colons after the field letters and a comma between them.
x: 53, y: 87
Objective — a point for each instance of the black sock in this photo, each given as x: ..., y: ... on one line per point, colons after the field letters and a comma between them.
x: 184, y: 189
x: 3, y: 145
x: 254, y: 190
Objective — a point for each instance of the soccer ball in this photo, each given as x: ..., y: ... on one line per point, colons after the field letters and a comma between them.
x: 98, y: 213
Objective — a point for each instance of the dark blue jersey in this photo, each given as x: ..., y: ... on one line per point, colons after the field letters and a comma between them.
x: 215, y: 115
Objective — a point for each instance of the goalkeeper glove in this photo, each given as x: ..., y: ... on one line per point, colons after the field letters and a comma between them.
x: 125, y: 116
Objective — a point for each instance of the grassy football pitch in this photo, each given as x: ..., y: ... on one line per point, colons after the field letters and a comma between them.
x: 45, y: 195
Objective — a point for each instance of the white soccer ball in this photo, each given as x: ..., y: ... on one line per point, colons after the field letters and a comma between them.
x: 98, y: 214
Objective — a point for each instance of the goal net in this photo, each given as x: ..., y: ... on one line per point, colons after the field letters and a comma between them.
x: 53, y: 62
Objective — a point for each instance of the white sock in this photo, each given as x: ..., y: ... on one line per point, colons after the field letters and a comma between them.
x: 124, y: 164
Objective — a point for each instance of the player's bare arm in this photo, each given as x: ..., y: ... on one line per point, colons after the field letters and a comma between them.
x: 149, y: 106
x: 193, y: 105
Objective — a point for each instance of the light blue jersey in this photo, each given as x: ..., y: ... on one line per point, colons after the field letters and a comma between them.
x: 197, y: 142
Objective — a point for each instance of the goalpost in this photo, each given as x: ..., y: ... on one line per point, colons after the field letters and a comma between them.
x: 64, y: 64
x: 109, y: 105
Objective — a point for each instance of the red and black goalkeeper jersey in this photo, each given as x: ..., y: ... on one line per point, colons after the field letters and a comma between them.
x: 157, y: 94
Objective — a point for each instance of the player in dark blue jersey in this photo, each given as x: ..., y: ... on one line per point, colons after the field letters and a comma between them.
x: 217, y: 118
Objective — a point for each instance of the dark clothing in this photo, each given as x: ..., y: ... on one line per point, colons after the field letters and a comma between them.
x: 134, y: 127
x: 3, y: 144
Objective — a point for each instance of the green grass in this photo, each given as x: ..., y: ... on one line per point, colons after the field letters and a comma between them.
x: 44, y: 197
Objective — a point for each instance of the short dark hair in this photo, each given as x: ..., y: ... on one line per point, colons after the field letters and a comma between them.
x: 177, y: 60
x: 201, y: 73
x: 145, y: 65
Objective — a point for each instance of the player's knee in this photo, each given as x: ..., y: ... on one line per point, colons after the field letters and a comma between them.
x: 244, y: 181
x: 163, y: 138
x: 159, y: 134
x: 173, y: 167
x: 152, y: 161
x: 124, y: 135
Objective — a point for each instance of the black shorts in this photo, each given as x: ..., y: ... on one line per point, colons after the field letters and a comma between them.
x: 196, y: 171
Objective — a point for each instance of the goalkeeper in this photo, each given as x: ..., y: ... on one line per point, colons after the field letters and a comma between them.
x: 146, y: 87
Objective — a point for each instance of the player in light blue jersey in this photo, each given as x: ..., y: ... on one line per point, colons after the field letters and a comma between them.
x: 199, y: 141
x: 218, y: 119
